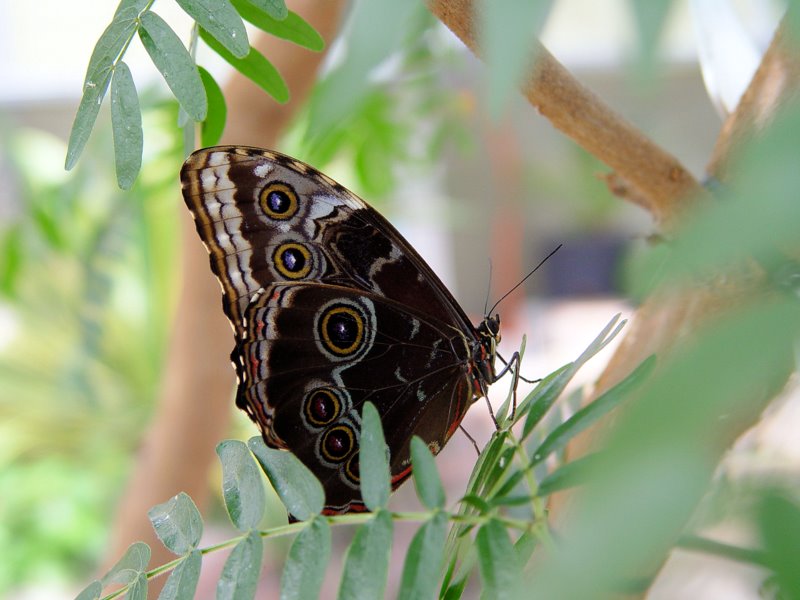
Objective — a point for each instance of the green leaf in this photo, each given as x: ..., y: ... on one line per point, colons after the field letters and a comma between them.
x: 497, y: 562
x: 591, y: 413
x: 112, y: 41
x: 779, y: 520
x: 11, y: 259
x: 126, y: 126
x: 138, y: 588
x: 175, y: 64
x: 378, y: 29
x: 524, y: 547
x: 373, y: 460
x: 254, y: 66
x: 304, y: 569
x: 568, y: 475
x: 293, y: 28
x: 651, y: 18
x: 274, y: 8
x: 508, y: 33
x: 93, y: 92
x: 542, y: 398
x: 220, y: 19
x: 298, y: 488
x: 177, y: 523
x: 182, y: 582
x: 242, y: 487
x: 426, y: 477
x: 214, y: 124
x: 98, y: 76
x: 367, y: 561
x: 424, y: 559
x: 242, y: 569
x: 91, y: 591
x: 132, y: 562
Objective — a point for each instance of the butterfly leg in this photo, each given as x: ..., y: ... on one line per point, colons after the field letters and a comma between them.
x: 471, y: 439
x: 512, y: 365
x: 525, y: 379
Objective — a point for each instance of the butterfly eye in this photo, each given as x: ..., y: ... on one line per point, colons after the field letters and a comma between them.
x: 337, y: 443
x: 322, y: 406
x: 292, y: 260
x: 278, y: 201
x: 342, y: 330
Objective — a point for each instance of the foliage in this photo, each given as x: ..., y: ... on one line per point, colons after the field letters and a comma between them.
x: 90, y: 294
x: 503, y: 477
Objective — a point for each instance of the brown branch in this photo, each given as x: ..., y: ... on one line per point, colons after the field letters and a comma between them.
x: 662, y: 185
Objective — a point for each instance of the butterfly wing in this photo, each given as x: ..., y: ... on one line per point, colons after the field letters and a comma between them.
x: 312, y: 354
x: 330, y: 307
x: 267, y: 217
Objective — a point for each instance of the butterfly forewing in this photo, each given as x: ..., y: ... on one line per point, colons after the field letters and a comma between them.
x: 331, y: 307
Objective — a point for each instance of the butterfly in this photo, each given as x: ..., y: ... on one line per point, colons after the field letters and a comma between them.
x: 331, y: 307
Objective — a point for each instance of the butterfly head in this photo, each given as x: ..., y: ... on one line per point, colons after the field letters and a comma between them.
x: 485, y: 350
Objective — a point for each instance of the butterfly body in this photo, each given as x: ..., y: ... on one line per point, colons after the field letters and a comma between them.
x: 331, y: 307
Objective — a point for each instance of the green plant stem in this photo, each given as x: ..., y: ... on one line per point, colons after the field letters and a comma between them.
x: 737, y: 553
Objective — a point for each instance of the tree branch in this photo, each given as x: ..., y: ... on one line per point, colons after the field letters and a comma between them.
x: 654, y: 178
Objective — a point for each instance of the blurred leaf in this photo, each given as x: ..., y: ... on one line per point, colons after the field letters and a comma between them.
x: 274, y: 8
x: 376, y: 30
x: 571, y: 474
x: 756, y: 215
x: 664, y: 450
x: 214, y: 124
x: 175, y: 64
x: 11, y: 256
x: 298, y: 488
x: 182, y: 582
x: 220, y: 19
x: 293, y: 28
x: 779, y: 518
x: 558, y: 438
x: 91, y: 591
x: 424, y: 559
x: 650, y: 20
x: 240, y: 574
x: 305, y: 565
x: 367, y: 561
x: 242, y: 487
x: 126, y: 123
x: 497, y: 562
x: 254, y: 66
x: 373, y: 460
x: 508, y: 34
x: 134, y: 561
x: 524, y: 547
x: 177, y: 523
x: 426, y: 476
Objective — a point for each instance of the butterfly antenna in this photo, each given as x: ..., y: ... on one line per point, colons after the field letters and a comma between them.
x: 488, y: 288
x: 524, y: 279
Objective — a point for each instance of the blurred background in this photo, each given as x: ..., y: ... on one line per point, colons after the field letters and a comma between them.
x: 91, y: 278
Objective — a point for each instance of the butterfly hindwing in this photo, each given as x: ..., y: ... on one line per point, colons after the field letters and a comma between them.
x: 312, y: 354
